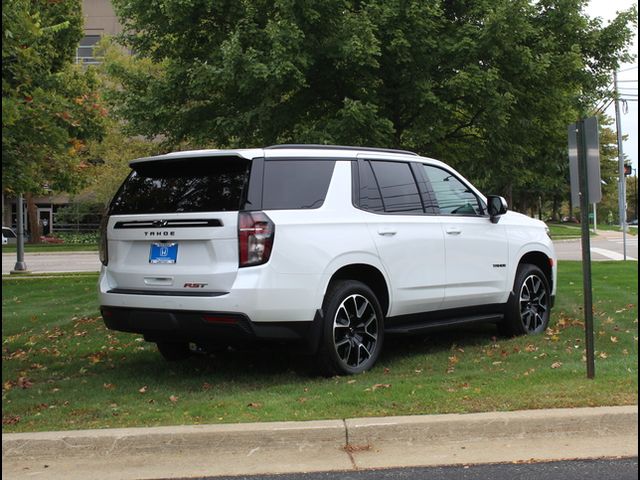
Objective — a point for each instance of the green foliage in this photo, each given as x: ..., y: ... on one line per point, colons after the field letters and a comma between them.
x: 79, y: 238
x: 49, y: 108
x: 488, y: 86
x: 79, y: 211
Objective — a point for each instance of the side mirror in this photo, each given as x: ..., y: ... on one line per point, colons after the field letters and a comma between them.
x: 496, y: 206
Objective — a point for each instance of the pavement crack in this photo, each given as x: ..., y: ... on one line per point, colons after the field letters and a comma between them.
x: 347, y: 447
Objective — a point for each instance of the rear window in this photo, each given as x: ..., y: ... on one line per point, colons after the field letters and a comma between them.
x: 295, y: 184
x: 204, y: 184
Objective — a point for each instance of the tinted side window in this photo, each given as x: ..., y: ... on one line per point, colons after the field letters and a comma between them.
x: 187, y: 185
x: 295, y: 184
x: 398, y: 187
x: 369, y: 192
x: 453, y: 196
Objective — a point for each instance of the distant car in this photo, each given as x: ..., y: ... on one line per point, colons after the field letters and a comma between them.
x: 633, y: 223
x: 8, y: 236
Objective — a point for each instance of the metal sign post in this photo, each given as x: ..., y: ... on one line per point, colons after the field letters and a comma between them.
x: 21, y: 266
x: 584, y: 162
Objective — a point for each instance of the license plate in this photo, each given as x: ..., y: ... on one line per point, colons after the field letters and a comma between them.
x: 163, y: 253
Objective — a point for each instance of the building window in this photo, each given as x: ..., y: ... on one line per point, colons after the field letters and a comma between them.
x: 85, y: 52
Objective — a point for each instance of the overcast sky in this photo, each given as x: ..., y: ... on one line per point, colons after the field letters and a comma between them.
x: 627, y: 79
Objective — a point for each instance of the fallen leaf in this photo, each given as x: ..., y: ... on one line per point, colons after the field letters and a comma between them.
x: 380, y: 385
x: 254, y: 405
x: 614, y: 339
x: 173, y: 399
x: 109, y: 386
x: 24, y: 382
x: 10, y: 419
x: 8, y: 385
x: 143, y: 389
x: 603, y: 355
x: 556, y: 364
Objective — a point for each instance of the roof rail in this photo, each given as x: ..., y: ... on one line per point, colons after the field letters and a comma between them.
x: 338, y: 147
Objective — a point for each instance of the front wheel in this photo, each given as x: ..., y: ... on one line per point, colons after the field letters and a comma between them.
x: 353, y: 331
x: 529, y: 309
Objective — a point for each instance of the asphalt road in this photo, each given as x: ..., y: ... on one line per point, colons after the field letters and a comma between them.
x: 54, y: 262
x: 602, y: 469
x: 605, y: 246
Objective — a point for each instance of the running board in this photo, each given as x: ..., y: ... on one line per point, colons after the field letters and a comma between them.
x: 441, y: 324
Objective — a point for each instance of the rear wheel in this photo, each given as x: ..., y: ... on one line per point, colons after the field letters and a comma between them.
x: 174, y: 351
x: 529, y: 308
x: 353, y: 331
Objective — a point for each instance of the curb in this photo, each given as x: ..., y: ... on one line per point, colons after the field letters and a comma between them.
x: 352, y: 434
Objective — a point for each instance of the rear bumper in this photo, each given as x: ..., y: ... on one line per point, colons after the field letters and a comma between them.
x: 210, y: 328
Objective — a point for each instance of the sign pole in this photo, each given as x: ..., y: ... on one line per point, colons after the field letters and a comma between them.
x: 586, y: 247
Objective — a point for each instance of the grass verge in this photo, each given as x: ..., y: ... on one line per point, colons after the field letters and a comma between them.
x: 52, y: 247
x: 63, y: 370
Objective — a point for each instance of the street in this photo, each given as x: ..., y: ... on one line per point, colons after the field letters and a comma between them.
x: 54, y: 262
x: 601, y: 469
x: 605, y: 246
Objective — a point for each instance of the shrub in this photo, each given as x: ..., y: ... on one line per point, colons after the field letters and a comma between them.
x: 79, y: 238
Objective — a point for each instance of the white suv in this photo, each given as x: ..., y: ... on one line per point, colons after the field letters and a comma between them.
x: 330, y: 248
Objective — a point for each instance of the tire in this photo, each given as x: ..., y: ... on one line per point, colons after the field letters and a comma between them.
x: 174, y: 351
x: 353, y: 330
x: 529, y: 308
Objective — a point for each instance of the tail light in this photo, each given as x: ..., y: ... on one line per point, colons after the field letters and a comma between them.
x: 103, y: 249
x: 255, y: 238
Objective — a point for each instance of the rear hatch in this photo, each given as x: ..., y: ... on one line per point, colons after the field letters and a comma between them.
x: 173, y: 225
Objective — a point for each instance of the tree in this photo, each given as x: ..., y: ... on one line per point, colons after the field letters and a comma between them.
x: 49, y: 108
x: 487, y: 85
x: 109, y: 161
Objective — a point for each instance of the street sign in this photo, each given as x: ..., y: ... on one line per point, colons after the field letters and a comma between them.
x: 593, y: 160
x: 584, y: 163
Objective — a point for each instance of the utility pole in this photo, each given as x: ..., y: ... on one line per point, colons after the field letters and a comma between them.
x: 622, y: 181
x: 635, y: 192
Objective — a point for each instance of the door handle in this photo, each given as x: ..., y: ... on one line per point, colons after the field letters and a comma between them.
x: 453, y: 231
x: 387, y: 232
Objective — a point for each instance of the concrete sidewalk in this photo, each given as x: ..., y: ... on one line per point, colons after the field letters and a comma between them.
x: 289, y: 447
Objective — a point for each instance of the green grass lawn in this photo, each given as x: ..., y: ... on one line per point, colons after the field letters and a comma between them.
x: 566, y: 231
x: 62, y: 369
x: 52, y: 247
x: 562, y: 231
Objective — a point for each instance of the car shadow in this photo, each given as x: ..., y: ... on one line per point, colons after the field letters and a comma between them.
x: 277, y: 364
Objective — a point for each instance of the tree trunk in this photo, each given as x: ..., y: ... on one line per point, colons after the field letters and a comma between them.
x: 32, y: 219
x: 555, y: 214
